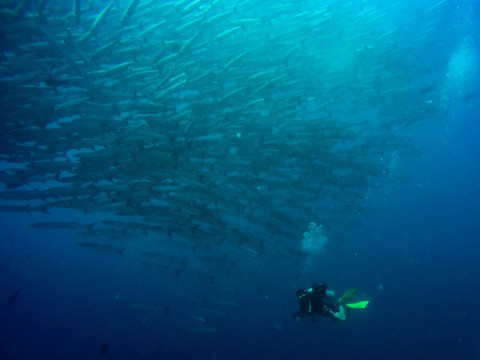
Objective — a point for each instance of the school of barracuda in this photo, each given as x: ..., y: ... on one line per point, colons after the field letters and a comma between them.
x: 221, y: 124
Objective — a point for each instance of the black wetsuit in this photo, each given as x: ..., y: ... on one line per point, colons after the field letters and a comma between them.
x: 314, y: 302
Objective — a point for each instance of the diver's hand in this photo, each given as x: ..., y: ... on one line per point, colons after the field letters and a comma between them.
x: 326, y: 309
x: 297, y: 316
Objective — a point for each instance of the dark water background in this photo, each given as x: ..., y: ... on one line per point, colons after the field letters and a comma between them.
x: 415, y: 258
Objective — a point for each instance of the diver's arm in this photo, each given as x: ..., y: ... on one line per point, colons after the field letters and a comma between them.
x: 305, y: 310
x: 298, y: 316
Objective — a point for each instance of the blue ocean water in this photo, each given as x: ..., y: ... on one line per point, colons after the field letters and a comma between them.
x: 414, y: 254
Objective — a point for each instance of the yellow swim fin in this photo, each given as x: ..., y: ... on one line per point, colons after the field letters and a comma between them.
x: 348, y: 294
x: 358, y: 305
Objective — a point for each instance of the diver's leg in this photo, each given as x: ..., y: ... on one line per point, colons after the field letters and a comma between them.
x: 330, y: 294
x: 340, y: 315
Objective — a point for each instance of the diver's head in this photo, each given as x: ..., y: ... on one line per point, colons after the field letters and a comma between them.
x: 300, y: 294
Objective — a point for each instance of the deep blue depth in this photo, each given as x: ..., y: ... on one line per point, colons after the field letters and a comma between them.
x: 421, y: 247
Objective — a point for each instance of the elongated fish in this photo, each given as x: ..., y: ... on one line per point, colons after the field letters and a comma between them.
x: 101, y: 247
x: 59, y: 225
x: 14, y: 296
x: 201, y: 330
x: 104, y: 348
x: 77, y: 11
x: 62, y: 52
x: 129, y: 11
x: 97, y: 21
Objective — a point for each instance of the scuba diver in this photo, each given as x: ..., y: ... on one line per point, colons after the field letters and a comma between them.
x: 316, y: 301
